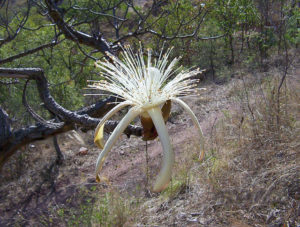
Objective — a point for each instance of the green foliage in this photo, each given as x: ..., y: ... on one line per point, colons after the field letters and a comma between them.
x: 108, y: 210
x: 232, y: 15
x: 292, y: 26
x: 245, y: 39
x: 178, y: 13
x: 66, y: 68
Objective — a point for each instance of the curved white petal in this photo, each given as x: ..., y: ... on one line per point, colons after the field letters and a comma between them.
x: 164, y: 175
x: 132, y: 113
x: 98, y: 138
x: 196, y: 122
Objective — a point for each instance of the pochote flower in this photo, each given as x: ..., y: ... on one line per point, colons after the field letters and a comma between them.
x: 149, y: 87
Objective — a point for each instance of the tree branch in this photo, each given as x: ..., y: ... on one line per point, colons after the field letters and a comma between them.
x: 98, y: 43
x: 18, y: 30
x: 11, y: 141
x: 5, y: 131
x: 34, y: 115
x: 31, y: 51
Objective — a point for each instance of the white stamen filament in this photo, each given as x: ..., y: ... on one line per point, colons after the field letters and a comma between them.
x: 195, y: 121
x: 132, y: 113
x: 99, y: 141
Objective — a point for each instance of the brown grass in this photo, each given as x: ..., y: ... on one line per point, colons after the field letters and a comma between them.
x: 255, y: 167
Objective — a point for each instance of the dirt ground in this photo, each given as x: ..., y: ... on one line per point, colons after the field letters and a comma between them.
x: 125, y: 166
x: 33, y: 185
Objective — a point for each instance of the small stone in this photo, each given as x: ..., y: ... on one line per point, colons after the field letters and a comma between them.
x: 192, y: 220
x: 182, y: 216
x: 195, y: 214
x: 83, y: 151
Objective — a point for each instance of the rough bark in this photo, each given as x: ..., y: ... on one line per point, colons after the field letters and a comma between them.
x: 5, y: 131
x: 85, y: 117
x: 70, y: 33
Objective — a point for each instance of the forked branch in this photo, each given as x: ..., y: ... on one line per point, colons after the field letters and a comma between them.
x: 10, y: 141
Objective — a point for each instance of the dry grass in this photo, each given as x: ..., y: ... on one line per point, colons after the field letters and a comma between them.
x: 254, y: 165
x: 256, y: 172
x: 251, y: 173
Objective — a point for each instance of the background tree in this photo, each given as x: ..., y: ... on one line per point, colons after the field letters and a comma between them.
x: 55, y: 43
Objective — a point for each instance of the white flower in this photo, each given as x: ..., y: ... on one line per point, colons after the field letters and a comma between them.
x: 145, y: 86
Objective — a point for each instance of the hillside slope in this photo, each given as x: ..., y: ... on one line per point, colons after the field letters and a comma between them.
x: 248, y: 177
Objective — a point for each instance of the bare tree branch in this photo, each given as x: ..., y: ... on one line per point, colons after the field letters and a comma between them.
x: 96, y: 42
x: 9, y: 82
x: 35, y: 116
x: 5, y: 21
x: 11, y: 141
x: 28, y: 52
x: 16, y: 139
x: 37, y: 74
x: 5, y: 131
x: 210, y: 37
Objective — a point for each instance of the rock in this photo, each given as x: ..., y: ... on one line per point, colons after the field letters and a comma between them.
x: 195, y: 214
x: 83, y: 151
x: 182, y: 216
x: 191, y: 220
